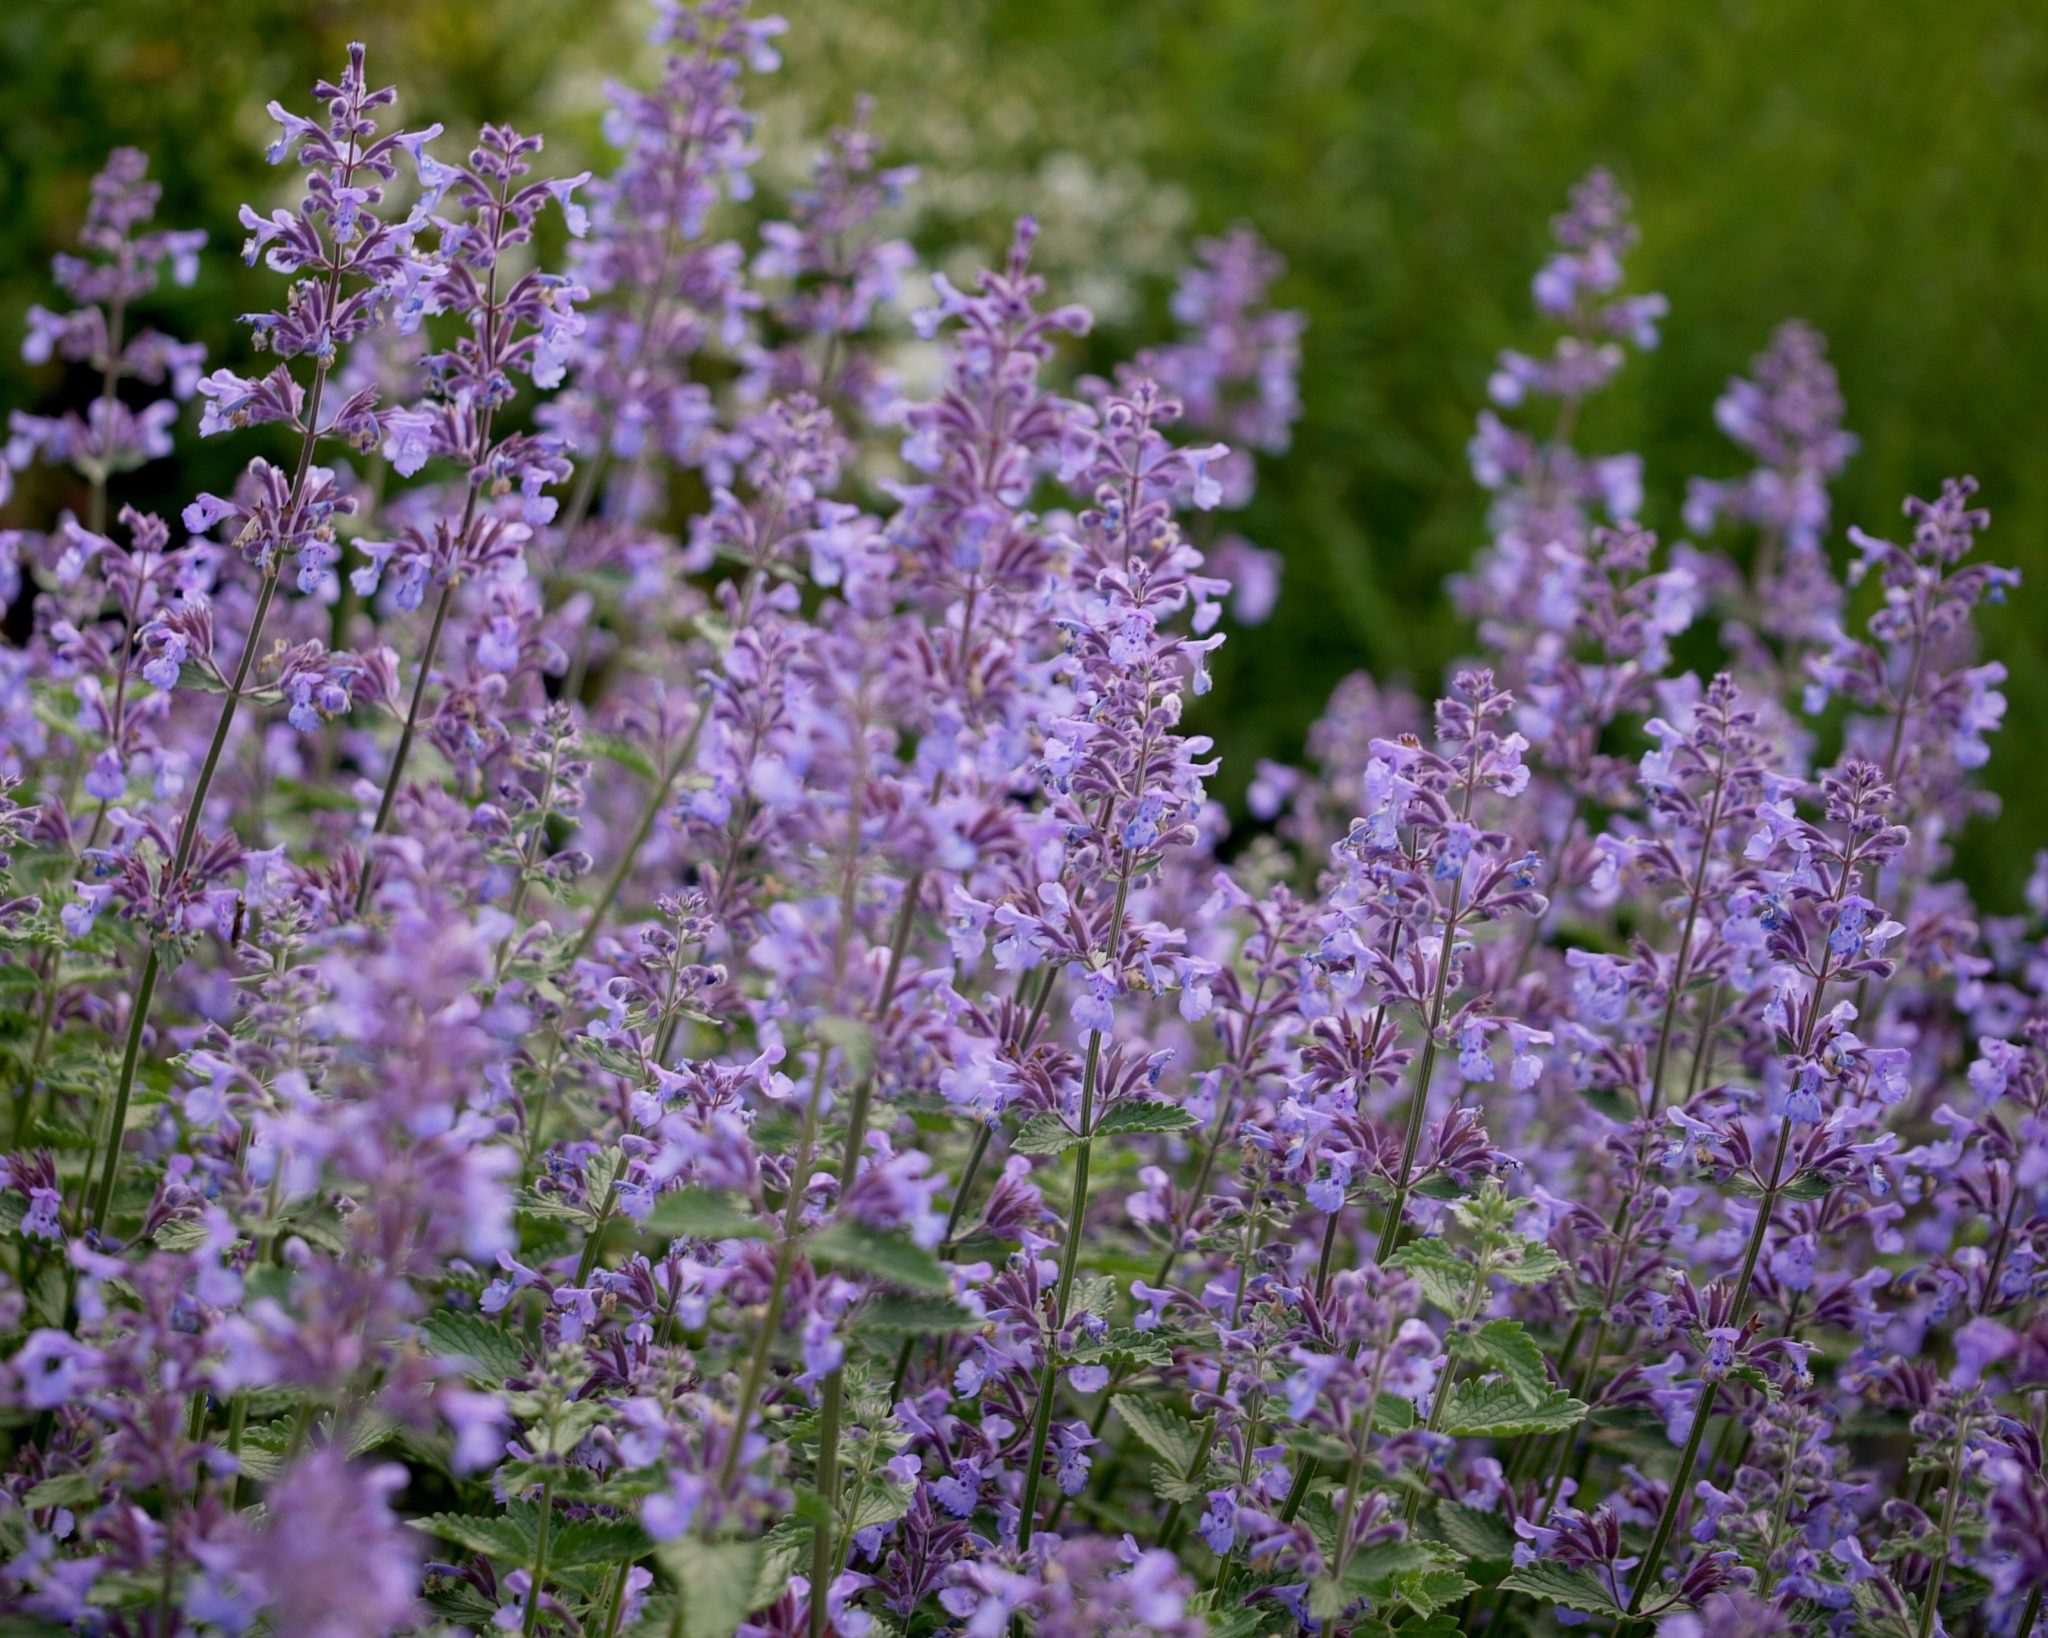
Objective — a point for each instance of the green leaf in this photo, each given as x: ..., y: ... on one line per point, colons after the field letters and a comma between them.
x: 1045, y: 1134
x: 1756, y: 1378
x: 1554, y: 1584
x: 1611, y: 1103
x: 1168, y: 1485
x: 1142, y: 1115
x: 183, y: 1234
x: 197, y: 677
x: 1444, y: 1276
x: 1505, y: 1346
x: 65, y: 1490
x: 546, y: 1209
x: 1483, y: 1537
x: 1165, y: 1432
x: 1120, y: 1345
x: 489, y: 1353
x: 1379, y: 1572
x: 30, y: 1626
x: 1093, y: 1294
x: 783, y: 1549
x: 701, y: 1214
x: 567, y: 1427
x: 716, y: 1581
x: 595, y: 1541
x: 1326, y: 1599
x: 1434, y: 1626
x: 889, y: 1258
x: 510, y: 1536
x: 883, y: 1502
x: 1531, y: 1262
x: 618, y: 749
x: 1427, y: 1591
x: 1502, y: 1410
x: 1808, y: 1186
x: 896, y: 1315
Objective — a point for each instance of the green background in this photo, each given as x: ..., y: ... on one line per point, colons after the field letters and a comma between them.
x: 1877, y: 169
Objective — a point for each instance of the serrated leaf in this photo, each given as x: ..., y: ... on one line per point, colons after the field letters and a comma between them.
x: 65, y: 1490
x: 458, y: 1602
x: 1093, y: 1294
x: 1237, y: 1622
x: 510, y: 1536
x: 617, y: 749
x: 783, y: 1549
x: 701, y: 1214
x: 595, y: 1541
x: 1755, y: 1377
x: 1120, y: 1345
x: 1554, y: 1584
x: 1326, y: 1599
x: 1434, y: 1626
x: 1142, y: 1115
x: 1613, y: 1105
x: 489, y: 1353
x: 1170, y: 1486
x: 1533, y: 1262
x: 1444, y: 1276
x: 1808, y: 1186
x: 1502, y: 1410
x: 717, y: 1581
x: 1044, y: 1134
x: 1378, y: 1564
x: 887, y: 1257
x: 1483, y: 1537
x: 182, y: 1234
x: 198, y: 678
x: 900, y: 1315
x: 545, y: 1208
x: 883, y: 1502
x: 1164, y: 1431
x: 1427, y: 1591
x: 1504, y: 1346
x: 1316, y: 1447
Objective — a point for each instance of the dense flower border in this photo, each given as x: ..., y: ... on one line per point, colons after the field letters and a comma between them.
x: 739, y: 1078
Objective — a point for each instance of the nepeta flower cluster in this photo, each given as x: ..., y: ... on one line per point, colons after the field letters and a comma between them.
x: 629, y: 1010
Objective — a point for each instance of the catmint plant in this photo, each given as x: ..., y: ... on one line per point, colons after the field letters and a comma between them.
x: 632, y: 1013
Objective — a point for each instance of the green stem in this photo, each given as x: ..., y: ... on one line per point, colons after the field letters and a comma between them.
x: 1070, y: 1258
x: 1070, y: 1254
x: 1668, y: 1519
x: 1682, y: 959
x: 1674, y: 1498
x: 594, y: 1242
x: 540, y: 1561
x: 1418, y: 1108
x: 832, y: 1411
x: 785, y: 1256
x: 403, y: 753
x: 953, y: 1215
x: 615, y: 1602
x: 188, y: 836
x: 644, y: 827
x: 1931, y: 1602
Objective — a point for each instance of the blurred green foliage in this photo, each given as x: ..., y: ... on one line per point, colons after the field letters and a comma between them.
x: 1877, y: 170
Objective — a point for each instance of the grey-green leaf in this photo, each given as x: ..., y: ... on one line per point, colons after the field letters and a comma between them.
x: 1143, y: 1115
x: 1554, y: 1584
x: 888, y: 1257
